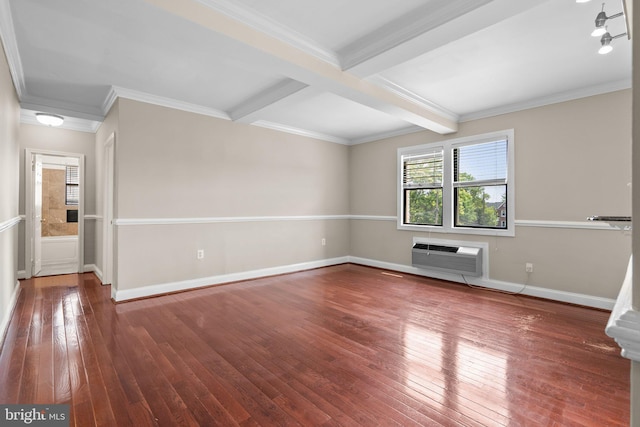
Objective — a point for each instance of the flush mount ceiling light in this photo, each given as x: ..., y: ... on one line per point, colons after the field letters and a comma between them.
x: 49, y: 119
x: 601, y: 20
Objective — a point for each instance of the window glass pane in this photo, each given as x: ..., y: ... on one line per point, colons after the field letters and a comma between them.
x: 480, y: 162
x: 73, y: 194
x: 423, y: 170
x: 481, y: 206
x: 423, y: 207
x: 73, y: 175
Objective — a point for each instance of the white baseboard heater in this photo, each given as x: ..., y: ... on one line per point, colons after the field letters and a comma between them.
x: 449, y: 259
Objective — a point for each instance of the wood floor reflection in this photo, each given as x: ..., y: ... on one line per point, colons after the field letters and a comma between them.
x: 344, y: 345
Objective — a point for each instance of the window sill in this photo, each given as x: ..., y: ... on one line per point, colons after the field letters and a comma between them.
x: 458, y: 230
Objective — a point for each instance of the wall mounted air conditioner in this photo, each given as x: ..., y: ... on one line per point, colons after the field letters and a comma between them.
x: 449, y: 259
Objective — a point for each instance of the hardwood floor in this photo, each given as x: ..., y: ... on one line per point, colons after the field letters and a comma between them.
x: 344, y: 345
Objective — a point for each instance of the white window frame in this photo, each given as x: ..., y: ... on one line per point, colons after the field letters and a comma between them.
x: 447, y: 191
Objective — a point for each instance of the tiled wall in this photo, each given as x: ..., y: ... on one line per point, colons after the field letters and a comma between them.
x: 54, y: 210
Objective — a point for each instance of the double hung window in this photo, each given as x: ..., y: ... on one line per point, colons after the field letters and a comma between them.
x: 422, y: 187
x: 463, y: 185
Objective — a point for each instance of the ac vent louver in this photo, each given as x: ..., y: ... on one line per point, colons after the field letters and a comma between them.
x: 449, y: 259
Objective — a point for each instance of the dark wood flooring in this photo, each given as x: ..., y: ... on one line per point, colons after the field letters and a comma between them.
x: 344, y: 345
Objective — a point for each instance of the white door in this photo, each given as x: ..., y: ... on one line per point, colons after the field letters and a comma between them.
x: 37, y: 215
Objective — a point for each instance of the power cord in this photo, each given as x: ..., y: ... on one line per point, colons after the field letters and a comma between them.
x: 500, y: 291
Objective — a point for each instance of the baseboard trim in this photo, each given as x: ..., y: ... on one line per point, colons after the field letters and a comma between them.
x: 171, y: 287
x: 92, y: 268
x: 6, y: 319
x: 22, y: 274
x: 534, y: 291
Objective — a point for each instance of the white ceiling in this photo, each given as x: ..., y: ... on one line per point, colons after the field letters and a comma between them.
x: 342, y: 71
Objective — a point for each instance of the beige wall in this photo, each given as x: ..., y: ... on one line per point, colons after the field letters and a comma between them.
x: 9, y: 119
x: 568, y: 167
x: 44, y: 138
x: 178, y: 165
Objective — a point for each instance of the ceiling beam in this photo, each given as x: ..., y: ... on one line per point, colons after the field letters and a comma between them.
x: 411, y: 36
x: 405, y: 28
x: 251, y: 109
x: 308, y: 69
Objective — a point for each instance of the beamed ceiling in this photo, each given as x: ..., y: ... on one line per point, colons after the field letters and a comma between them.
x: 342, y: 71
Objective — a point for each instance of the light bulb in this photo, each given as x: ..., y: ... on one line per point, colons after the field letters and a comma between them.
x: 605, y: 49
x: 49, y: 119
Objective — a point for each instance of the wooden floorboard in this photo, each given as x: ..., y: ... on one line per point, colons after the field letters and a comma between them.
x: 343, y: 345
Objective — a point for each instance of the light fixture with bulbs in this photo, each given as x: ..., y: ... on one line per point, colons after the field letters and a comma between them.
x: 606, y: 40
x: 601, y: 28
x: 601, y: 21
x: 49, y: 119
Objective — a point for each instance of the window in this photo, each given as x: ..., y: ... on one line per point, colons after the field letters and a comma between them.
x: 72, y: 185
x: 422, y: 186
x: 463, y: 185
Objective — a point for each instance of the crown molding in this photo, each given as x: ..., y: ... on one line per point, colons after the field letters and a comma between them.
x: 270, y: 27
x: 36, y: 103
x: 549, y: 100
x: 10, y: 44
x: 405, y: 28
x: 413, y: 97
x: 119, y: 92
x: 301, y: 132
x: 109, y: 101
x: 385, y: 135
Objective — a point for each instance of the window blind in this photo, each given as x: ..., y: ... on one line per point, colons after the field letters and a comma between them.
x: 73, y: 175
x: 423, y: 171
x: 73, y: 185
x: 484, y: 162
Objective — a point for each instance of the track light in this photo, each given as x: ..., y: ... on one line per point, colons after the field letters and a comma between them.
x: 49, y: 119
x: 582, y: 1
x: 606, y: 40
x: 606, y: 44
x: 601, y: 21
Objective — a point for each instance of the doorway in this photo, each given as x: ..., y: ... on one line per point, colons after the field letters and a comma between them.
x: 55, y: 211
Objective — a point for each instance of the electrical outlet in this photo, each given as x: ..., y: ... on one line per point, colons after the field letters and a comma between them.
x: 528, y: 267
x: 324, y: 242
x: 200, y: 254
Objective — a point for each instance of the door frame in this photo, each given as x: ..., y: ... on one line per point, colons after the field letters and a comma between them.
x: 29, y: 158
x: 108, y: 210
